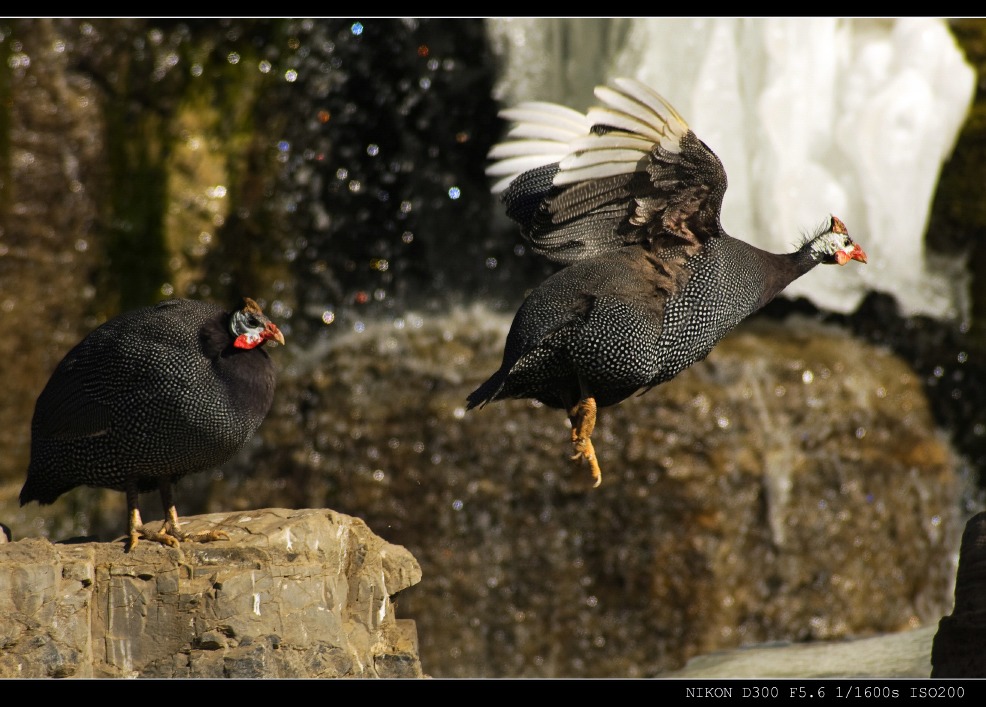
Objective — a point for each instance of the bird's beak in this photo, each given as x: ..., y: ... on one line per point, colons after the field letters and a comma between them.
x: 856, y: 253
x: 272, y: 332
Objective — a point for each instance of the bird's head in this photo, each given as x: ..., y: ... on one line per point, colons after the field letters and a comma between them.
x: 832, y: 244
x: 251, y: 327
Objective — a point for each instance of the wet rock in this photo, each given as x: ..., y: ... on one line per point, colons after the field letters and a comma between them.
x: 900, y: 655
x: 792, y: 487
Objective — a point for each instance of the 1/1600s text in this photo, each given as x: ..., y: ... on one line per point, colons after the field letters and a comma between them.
x: 822, y: 691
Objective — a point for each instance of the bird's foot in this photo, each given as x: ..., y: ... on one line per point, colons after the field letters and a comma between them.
x: 161, y: 537
x: 583, y: 419
x: 201, y: 536
x: 584, y: 450
x: 174, y: 537
x: 173, y: 526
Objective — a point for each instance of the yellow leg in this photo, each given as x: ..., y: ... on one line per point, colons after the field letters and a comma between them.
x: 173, y: 528
x: 583, y: 417
x: 136, y: 525
x: 171, y: 534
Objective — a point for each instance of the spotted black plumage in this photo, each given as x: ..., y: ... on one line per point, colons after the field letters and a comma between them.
x: 148, y: 397
x: 629, y: 198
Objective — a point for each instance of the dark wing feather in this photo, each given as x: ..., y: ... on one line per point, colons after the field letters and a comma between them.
x: 631, y: 172
x: 66, y: 410
x: 575, y: 223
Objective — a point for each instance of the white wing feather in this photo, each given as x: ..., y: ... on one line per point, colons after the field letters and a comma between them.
x: 547, y: 133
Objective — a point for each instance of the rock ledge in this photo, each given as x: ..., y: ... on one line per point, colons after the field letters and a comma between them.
x: 292, y: 594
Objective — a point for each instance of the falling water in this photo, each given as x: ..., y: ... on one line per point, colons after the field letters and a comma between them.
x: 810, y: 116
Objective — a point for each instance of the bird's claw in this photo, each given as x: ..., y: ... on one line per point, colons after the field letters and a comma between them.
x: 174, y: 537
x: 160, y: 537
x: 585, y: 450
x: 204, y: 536
x: 583, y: 419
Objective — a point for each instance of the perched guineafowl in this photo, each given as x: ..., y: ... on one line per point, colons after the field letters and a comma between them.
x: 148, y: 397
x: 629, y: 198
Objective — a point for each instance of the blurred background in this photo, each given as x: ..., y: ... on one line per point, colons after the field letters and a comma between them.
x: 808, y: 481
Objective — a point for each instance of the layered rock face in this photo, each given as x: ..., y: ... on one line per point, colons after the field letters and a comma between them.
x: 293, y: 594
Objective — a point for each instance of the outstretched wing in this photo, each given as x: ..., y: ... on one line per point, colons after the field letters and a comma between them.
x: 628, y: 172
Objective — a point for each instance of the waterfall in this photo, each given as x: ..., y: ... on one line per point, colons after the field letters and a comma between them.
x: 853, y: 117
